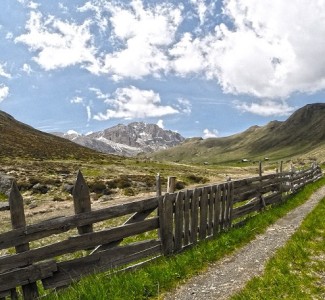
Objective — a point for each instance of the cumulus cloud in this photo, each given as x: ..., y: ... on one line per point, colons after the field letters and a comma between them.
x: 27, y: 69
x: 3, y: 72
x: 184, y: 105
x: 160, y: 123
x: 265, y: 108
x: 266, y: 49
x: 131, y: 102
x: 210, y: 133
x: 77, y: 100
x: 59, y: 44
x: 272, y: 48
x: 4, y: 92
x: 144, y: 33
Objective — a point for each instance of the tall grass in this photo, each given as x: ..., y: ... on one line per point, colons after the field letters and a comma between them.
x: 167, y: 272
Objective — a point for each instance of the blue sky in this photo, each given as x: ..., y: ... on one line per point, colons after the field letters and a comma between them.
x: 202, y: 68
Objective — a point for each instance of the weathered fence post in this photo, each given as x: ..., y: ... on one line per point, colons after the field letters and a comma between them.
x: 158, y: 185
x: 260, y: 169
x: 17, y: 214
x: 165, y: 208
x: 81, y: 201
x: 171, y: 183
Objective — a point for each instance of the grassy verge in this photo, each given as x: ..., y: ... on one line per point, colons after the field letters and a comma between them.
x: 167, y: 272
x: 297, y: 271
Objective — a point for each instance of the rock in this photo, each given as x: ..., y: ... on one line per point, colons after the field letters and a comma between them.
x: 5, y: 183
x: 68, y: 188
x: 94, y: 196
x: 40, y: 188
x: 105, y: 198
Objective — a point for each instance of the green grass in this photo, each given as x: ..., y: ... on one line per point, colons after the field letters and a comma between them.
x: 297, y: 271
x: 166, y: 272
x: 3, y: 197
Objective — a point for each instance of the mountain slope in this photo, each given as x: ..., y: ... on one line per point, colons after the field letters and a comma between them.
x: 302, y: 132
x: 20, y: 140
x: 128, y: 139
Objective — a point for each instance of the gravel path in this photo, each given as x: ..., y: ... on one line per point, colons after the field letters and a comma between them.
x: 226, y: 277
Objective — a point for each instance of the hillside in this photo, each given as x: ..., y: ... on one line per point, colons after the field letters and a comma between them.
x: 20, y: 140
x: 127, y: 140
x: 303, y: 133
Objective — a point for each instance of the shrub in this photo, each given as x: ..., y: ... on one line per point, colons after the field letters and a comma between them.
x: 180, y: 185
x: 123, y: 182
x: 129, y: 192
x: 196, y: 179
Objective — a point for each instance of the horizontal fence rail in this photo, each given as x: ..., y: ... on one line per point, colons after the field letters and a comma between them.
x: 176, y: 221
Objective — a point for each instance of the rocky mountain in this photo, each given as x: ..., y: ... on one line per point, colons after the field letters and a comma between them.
x: 128, y: 140
x: 303, y: 133
x: 20, y: 140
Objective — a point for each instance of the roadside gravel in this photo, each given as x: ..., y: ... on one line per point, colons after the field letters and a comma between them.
x: 223, y: 279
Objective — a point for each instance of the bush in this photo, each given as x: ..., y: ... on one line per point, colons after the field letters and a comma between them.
x: 97, y: 187
x: 123, y: 182
x: 180, y: 185
x: 196, y: 179
x: 129, y: 192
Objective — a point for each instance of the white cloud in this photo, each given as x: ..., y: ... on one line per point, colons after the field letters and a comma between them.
x: 187, y: 56
x: 4, y: 92
x: 184, y: 106
x: 265, y: 108
x: 144, y: 34
x: 27, y: 69
x: 71, y: 131
x: 9, y: 35
x: 77, y: 100
x: 59, y: 44
x: 210, y: 134
x: 201, y: 9
x: 273, y: 48
x: 88, y: 109
x: 131, y: 102
x: 3, y: 73
x: 33, y: 5
x: 160, y: 123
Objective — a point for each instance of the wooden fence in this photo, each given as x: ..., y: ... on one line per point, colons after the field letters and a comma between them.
x: 175, y: 220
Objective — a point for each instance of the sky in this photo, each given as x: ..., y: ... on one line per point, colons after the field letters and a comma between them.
x: 201, y: 68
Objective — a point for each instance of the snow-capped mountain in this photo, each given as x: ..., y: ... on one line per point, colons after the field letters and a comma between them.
x: 128, y: 140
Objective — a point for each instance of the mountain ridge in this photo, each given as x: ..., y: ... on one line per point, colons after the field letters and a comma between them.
x: 128, y: 140
x: 21, y: 140
x: 302, y: 132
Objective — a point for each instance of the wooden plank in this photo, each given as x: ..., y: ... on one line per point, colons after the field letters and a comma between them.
x: 158, y: 185
x: 230, y: 197
x: 62, y: 224
x: 17, y: 214
x: 246, y: 209
x: 171, y: 183
x: 216, y: 204
x: 211, y: 210
x: 247, y: 181
x: 4, y: 294
x: 81, y: 201
x: 195, y: 215
x: 203, y: 214
x: 224, y: 188
x: 23, y: 276
x: 137, y: 217
x: 187, y: 199
x: 179, y: 220
x: 77, y: 243
x: 72, y: 270
x: 169, y: 201
x: 166, y: 223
